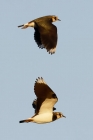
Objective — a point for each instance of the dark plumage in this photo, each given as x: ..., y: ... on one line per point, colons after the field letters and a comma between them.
x: 45, y: 32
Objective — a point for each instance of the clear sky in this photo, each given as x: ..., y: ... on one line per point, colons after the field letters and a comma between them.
x: 69, y: 72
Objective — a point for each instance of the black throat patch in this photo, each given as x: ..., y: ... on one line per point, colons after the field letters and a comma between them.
x: 54, y: 117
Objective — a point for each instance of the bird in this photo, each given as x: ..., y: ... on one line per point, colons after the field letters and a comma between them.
x: 46, y: 99
x: 45, y: 34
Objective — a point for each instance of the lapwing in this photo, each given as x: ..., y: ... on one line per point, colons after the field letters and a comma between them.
x: 46, y: 99
x: 45, y: 33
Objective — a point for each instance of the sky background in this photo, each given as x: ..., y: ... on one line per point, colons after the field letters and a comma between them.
x: 69, y: 72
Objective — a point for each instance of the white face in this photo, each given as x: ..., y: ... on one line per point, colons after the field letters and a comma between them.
x: 54, y: 18
x: 59, y: 115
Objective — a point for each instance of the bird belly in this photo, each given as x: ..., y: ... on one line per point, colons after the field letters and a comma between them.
x: 43, y: 118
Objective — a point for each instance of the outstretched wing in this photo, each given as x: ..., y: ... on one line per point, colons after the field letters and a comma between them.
x: 37, y: 38
x: 48, y: 36
x: 46, y: 98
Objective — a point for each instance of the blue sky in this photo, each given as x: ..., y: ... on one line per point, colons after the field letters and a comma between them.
x: 69, y: 72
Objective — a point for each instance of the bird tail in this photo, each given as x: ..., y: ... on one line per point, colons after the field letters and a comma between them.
x: 24, y: 26
x: 29, y: 24
x: 27, y: 120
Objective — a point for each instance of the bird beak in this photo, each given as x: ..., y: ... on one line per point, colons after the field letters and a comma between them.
x: 59, y: 19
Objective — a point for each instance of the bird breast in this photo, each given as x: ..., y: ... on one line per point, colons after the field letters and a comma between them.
x: 43, y: 118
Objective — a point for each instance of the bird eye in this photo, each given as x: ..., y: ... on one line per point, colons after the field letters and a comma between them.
x: 54, y: 95
x: 55, y: 18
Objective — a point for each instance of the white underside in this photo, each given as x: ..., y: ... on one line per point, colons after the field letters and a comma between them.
x: 43, y: 118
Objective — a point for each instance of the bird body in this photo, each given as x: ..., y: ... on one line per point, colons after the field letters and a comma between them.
x: 45, y: 32
x: 41, y: 118
x: 42, y: 21
x: 44, y: 118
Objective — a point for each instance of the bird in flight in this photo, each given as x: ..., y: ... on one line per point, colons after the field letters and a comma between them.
x: 45, y: 34
x: 46, y: 99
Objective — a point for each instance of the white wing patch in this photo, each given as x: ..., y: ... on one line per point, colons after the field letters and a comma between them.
x: 52, y: 50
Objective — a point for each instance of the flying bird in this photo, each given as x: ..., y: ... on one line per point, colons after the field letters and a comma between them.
x: 46, y: 99
x: 45, y: 33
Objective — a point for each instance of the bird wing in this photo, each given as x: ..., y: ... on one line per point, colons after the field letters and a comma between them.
x: 34, y: 104
x: 46, y: 98
x: 37, y: 38
x: 48, y: 35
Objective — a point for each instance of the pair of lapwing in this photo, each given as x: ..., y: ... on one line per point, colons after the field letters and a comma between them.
x: 46, y: 37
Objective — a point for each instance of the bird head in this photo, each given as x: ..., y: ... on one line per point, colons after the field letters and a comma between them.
x: 55, y: 18
x: 59, y: 115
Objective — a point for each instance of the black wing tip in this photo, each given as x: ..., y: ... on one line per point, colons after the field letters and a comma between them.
x: 38, y: 79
